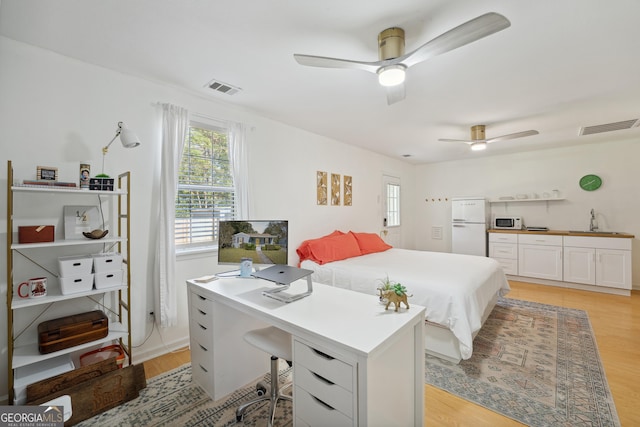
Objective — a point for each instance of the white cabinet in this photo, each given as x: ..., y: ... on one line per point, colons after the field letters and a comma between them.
x: 599, y: 261
x: 540, y: 256
x: 29, y: 205
x: 503, y: 247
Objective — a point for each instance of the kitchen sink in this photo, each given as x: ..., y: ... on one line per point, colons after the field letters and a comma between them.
x: 594, y: 232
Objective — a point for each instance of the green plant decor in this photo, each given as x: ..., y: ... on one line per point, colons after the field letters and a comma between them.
x: 399, y: 289
x: 102, y: 175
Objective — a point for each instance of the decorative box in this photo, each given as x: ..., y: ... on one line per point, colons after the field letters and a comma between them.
x: 73, y: 266
x: 69, y: 331
x: 73, y: 285
x: 102, y: 184
x: 109, y: 279
x: 36, y: 233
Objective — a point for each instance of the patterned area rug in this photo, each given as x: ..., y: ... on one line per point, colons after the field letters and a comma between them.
x: 173, y: 399
x: 537, y: 364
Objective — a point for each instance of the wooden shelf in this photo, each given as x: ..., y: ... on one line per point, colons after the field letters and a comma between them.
x: 71, y: 190
x: 71, y: 242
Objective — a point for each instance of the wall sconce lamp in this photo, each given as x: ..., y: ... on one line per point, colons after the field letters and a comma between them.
x: 128, y: 138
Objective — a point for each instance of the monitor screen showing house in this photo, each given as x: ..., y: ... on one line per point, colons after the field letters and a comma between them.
x: 265, y: 242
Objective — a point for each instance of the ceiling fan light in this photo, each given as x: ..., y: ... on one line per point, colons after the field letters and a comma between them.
x: 391, y: 75
x: 478, y: 146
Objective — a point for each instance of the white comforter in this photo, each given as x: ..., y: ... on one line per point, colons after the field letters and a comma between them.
x: 455, y: 289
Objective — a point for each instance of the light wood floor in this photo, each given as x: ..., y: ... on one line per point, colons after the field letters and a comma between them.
x: 615, y: 321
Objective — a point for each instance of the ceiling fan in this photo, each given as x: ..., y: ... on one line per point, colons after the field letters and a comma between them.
x: 393, y: 62
x: 479, y: 142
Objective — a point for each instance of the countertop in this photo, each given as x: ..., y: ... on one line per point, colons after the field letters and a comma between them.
x: 567, y: 233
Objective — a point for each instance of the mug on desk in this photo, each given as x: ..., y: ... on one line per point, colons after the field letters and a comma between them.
x: 33, y: 288
x: 246, y: 267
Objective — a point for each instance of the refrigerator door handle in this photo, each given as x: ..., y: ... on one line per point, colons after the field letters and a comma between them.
x: 458, y: 225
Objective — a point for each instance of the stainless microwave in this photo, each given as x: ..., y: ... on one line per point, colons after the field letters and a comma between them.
x: 507, y: 222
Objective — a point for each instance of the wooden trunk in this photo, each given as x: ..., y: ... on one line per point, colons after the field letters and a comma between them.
x: 93, y: 389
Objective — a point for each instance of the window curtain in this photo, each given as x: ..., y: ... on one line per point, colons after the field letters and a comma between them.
x: 175, y: 124
x: 239, y: 168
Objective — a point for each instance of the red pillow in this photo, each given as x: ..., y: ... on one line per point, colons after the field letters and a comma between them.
x: 303, y: 250
x: 333, y: 248
x: 370, y: 243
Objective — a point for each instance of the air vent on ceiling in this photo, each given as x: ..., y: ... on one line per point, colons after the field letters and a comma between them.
x: 609, y: 127
x: 221, y: 87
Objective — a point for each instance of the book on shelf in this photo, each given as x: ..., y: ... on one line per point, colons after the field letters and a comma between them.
x: 45, y: 183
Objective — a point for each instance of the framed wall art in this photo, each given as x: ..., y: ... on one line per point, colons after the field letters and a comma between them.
x: 335, y: 189
x: 347, y: 191
x: 46, y: 173
x: 321, y: 187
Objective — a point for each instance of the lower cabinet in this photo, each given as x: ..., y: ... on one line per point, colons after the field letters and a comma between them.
x: 598, y: 261
x: 540, y: 256
x: 503, y: 248
x: 595, y: 261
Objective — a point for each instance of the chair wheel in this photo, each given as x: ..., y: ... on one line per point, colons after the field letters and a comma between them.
x: 261, y: 388
x: 239, y: 418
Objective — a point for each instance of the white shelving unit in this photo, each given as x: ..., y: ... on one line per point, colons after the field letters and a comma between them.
x: 25, y: 363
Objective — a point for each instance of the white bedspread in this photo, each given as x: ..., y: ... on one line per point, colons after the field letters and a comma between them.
x: 455, y: 289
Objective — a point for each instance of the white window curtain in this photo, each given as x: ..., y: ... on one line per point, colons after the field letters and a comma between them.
x: 175, y: 124
x: 239, y: 168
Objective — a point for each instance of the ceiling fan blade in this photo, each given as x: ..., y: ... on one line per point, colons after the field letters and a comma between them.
x: 470, y: 31
x: 466, y: 141
x: 325, y: 62
x: 513, y: 135
x: 395, y: 93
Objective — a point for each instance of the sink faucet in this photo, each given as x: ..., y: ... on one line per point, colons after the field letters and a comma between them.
x: 593, y: 225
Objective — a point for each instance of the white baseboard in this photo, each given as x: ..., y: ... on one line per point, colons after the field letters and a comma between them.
x: 150, y: 353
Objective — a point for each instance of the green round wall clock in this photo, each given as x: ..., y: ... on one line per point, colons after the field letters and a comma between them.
x: 590, y: 182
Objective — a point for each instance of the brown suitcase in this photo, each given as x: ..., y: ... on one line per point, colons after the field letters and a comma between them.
x: 65, y: 332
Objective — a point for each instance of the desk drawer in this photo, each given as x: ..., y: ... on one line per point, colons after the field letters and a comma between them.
x: 323, y: 389
x: 314, y: 412
x: 202, y: 364
x: 201, y: 334
x: 201, y: 303
x: 325, y: 365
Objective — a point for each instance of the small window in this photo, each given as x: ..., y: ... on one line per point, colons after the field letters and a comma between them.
x: 205, y: 187
x: 392, y: 201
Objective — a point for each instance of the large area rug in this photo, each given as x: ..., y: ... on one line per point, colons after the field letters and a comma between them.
x: 173, y: 399
x: 534, y: 363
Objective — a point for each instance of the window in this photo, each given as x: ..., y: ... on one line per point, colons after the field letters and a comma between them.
x: 205, y: 187
x: 392, y: 201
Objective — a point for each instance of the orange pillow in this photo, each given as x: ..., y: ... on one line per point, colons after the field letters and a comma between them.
x: 370, y: 243
x: 303, y: 250
x: 334, y: 248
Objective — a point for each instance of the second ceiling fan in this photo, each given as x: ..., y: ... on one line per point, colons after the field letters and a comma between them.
x: 393, y: 62
x: 479, y: 141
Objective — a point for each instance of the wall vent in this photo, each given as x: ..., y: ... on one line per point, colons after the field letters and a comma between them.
x: 609, y: 127
x: 221, y: 87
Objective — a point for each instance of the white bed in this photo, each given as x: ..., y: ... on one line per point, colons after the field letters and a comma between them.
x: 459, y: 291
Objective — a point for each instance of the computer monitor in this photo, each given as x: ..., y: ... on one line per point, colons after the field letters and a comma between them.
x: 264, y: 241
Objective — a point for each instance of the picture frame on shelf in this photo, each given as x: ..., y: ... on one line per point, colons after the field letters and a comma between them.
x: 80, y: 219
x: 46, y: 173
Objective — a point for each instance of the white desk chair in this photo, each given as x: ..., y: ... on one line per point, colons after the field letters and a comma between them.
x: 277, y: 343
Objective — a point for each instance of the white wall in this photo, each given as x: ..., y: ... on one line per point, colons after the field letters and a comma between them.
x: 617, y: 202
x: 56, y: 111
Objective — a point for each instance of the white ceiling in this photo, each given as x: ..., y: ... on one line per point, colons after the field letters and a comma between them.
x: 561, y: 65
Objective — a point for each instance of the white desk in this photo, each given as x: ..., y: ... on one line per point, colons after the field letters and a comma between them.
x: 372, y: 360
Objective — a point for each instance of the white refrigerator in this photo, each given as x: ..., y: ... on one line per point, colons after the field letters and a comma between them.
x: 469, y: 218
